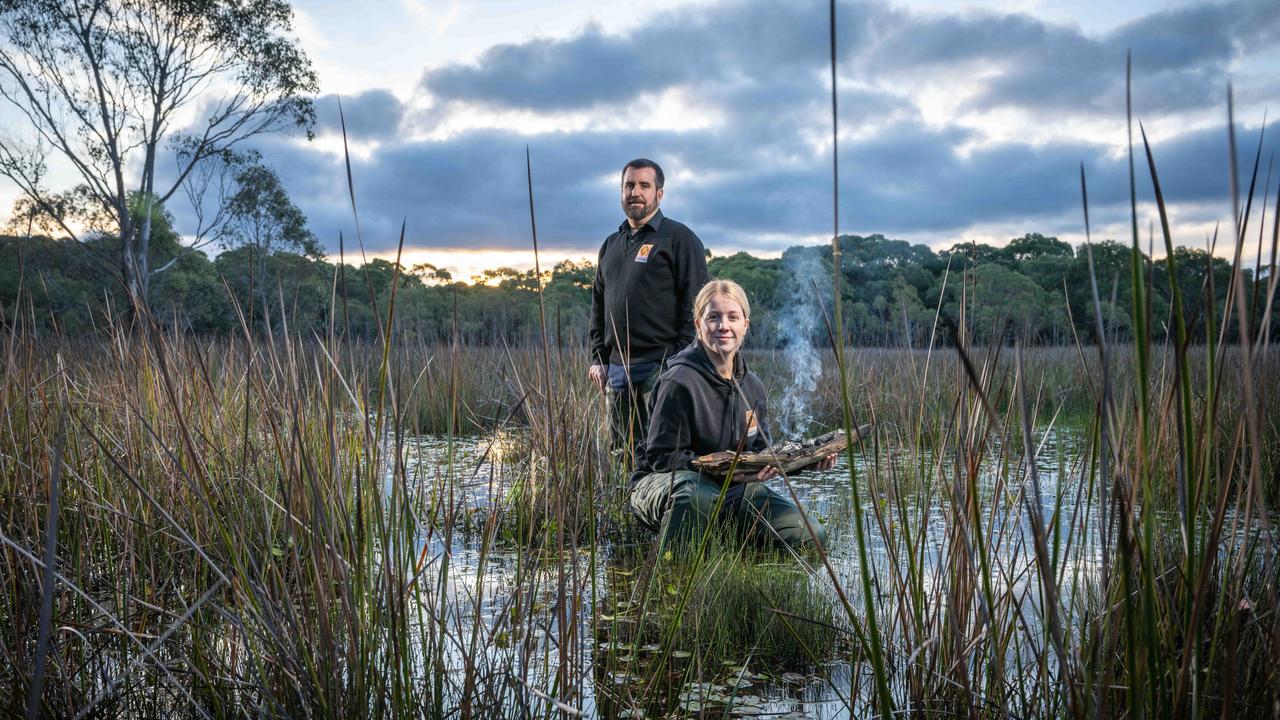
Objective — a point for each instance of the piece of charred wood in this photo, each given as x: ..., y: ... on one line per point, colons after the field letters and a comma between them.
x: 789, y: 456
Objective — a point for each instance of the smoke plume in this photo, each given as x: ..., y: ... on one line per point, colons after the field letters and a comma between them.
x: 803, y: 286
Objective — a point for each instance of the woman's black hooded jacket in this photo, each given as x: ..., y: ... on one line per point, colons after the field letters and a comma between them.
x: 696, y: 411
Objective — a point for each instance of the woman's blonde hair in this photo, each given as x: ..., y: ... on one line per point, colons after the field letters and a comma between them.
x: 727, y: 288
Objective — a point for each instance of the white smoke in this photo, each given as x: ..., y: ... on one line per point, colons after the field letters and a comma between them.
x: 802, y: 288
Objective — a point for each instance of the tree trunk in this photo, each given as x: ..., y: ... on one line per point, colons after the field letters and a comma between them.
x: 134, y: 268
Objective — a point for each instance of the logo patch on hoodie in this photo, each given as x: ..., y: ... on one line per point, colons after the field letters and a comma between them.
x: 642, y: 255
x: 752, y: 427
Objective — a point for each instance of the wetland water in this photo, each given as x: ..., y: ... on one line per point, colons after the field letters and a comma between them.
x: 535, y: 619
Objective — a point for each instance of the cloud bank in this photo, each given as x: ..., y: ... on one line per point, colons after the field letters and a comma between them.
x: 933, y: 108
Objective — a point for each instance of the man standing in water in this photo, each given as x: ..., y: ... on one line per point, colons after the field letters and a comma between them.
x: 647, y: 276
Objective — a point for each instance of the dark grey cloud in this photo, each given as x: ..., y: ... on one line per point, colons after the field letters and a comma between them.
x: 907, y: 180
x: 1015, y: 180
x: 585, y: 71
x: 470, y: 191
x: 1181, y: 57
x: 1181, y: 60
x: 372, y: 115
x: 751, y: 42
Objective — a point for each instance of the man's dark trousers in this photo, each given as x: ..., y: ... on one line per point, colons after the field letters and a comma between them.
x: 629, y: 410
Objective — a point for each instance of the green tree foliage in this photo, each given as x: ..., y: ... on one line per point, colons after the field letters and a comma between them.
x: 1004, y: 299
x: 49, y: 285
x: 60, y: 281
x: 760, y: 278
x: 261, y: 216
x: 1036, y: 288
x: 268, y: 237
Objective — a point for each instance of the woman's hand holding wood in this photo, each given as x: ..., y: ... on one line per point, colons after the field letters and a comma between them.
x: 768, y: 472
x: 827, y: 463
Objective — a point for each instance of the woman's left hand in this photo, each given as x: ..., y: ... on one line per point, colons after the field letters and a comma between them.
x: 767, y: 472
x: 826, y: 463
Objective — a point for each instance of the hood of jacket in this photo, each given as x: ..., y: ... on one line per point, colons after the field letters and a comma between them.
x: 696, y: 358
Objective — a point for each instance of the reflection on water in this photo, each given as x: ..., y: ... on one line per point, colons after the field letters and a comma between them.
x: 534, y: 619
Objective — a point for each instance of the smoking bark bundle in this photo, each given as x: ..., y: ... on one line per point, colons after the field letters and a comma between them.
x: 789, y: 456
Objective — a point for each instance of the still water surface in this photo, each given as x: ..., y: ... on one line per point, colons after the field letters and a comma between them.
x: 486, y: 586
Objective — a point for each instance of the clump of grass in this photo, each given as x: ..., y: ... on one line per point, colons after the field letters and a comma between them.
x: 665, y: 624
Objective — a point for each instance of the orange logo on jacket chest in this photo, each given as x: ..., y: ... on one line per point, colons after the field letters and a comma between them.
x: 642, y: 255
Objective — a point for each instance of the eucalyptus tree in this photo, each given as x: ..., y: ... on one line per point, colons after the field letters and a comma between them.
x: 258, y: 215
x: 108, y: 87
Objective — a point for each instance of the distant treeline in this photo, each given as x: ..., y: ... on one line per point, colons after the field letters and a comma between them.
x: 1036, y: 288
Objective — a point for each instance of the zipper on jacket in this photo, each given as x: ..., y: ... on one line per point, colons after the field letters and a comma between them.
x: 739, y: 436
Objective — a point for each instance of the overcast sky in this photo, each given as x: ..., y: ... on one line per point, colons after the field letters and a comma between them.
x: 957, y: 121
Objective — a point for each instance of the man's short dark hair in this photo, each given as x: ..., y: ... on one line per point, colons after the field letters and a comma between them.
x: 640, y: 163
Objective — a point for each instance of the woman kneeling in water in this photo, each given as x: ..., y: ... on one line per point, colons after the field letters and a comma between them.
x: 708, y: 401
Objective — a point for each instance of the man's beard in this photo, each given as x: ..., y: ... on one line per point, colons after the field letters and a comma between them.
x: 639, y: 212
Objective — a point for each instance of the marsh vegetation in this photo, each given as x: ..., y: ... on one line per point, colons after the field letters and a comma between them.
x: 243, y: 527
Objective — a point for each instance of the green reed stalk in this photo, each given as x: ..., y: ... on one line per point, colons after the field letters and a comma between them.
x: 1188, y: 484
x: 1101, y: 660
x: 874, y: 642
x: 1146, y: 545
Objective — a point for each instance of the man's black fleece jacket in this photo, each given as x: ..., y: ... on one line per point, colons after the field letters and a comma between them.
x: 642, y: 297
x: 696, y: 412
